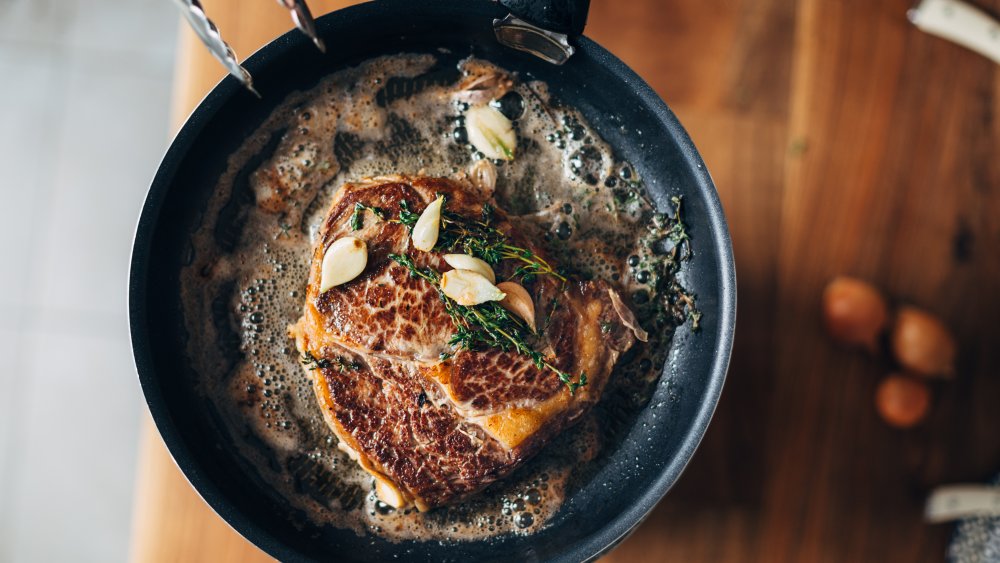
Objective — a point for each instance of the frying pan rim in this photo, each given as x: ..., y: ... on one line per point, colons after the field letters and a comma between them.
x: 614, y: 530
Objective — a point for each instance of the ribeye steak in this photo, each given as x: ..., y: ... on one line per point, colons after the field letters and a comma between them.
x: 430, y: 422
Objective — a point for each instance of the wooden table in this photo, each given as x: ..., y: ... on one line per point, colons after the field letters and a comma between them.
x: 842, y: 140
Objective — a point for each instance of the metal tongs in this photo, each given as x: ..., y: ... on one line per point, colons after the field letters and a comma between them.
x: 210, y: 36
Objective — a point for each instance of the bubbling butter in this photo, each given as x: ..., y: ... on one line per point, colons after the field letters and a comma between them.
x: 245, y: 285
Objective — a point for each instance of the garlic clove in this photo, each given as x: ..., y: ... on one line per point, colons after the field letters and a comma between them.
x: 425, y: 231
x: 518, y: 301
x: 389, y: 493
x: 466, y: 262
x: 483, y: 175
x: 491, y: 132
x: 469, y: 288
x: 343, y: 261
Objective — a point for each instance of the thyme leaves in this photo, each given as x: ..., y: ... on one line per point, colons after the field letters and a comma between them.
x: 339, y: 363
x: 473, y: 236
x: 406, y: 216
x: 677, y: 303
x: 284, y: 230
x: 357, y: 220
x: 678, y: 230
x: 480, y: 238
x: 488, y: 325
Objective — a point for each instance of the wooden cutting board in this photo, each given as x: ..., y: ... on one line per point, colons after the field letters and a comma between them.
x: 842, y: 140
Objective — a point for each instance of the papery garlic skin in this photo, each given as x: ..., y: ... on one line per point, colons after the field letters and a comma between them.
x: 483, y: 175
x: 519, y: 302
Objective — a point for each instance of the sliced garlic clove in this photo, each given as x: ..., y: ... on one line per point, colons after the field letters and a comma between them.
x: 518, y: 301
x: 469, y: 288
x: 425, y: 231
x: 343, y: 261
x: 491, y: 132
x: 466, y: 262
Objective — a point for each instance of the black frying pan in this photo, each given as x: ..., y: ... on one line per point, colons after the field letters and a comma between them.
x: 624, y: 111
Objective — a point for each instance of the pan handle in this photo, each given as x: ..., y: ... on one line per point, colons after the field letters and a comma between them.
x: 542, y: 27
x: 561, y: 16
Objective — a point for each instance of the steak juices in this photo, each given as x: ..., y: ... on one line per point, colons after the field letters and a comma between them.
x: 428, y: 421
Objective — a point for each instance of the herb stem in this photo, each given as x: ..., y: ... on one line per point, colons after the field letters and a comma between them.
x: 358, y: 218
x: 540, y: 265
x: 487, y: 324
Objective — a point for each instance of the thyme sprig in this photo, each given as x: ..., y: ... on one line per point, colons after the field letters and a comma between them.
x: 676, y: 302
x: 340, y: 363
x: 284, y: 230
x: 476, y: 237
x: 358, y: 217
x: 678, y: 231
x: 488, y: 325
x: 481, y: 239
x: 406, y: 216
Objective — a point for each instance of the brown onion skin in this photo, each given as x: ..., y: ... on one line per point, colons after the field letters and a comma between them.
x: 902, y: 401
x: 922, y: 344
x: 854, y: 312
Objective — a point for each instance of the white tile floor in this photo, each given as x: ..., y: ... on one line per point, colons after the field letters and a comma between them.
x: 84, y: 97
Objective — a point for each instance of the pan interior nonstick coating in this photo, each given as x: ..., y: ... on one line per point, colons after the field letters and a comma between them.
x: 623, y: 111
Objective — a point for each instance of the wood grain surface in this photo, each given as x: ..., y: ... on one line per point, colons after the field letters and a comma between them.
x: 842, y: 140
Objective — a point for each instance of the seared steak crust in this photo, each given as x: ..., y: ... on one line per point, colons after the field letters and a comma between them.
x: 408, y: 432
x: 385, y: 311
x: 435, y: 428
